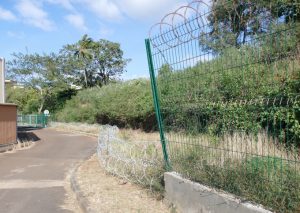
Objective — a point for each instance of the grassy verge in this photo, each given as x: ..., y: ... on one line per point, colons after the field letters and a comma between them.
x: 260, y: 171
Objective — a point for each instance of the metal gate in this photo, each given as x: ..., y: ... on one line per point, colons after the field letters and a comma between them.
x: 35, y: 120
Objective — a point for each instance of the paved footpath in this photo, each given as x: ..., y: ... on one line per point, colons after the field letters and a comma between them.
x: 32, y: 181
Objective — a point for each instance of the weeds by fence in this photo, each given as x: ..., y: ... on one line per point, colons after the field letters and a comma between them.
x: 225, y: 79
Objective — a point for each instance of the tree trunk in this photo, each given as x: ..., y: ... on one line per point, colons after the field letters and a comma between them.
x: 85, y: 78
x: 244, y: 36
x: 42, y: 102
x: 41, y: 106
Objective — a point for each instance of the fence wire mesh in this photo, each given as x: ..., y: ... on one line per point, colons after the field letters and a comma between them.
x: 36, y: 120
x: 226, y: 78
x: 135, y: 161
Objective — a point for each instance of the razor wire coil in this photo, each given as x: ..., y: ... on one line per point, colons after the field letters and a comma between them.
x: 131, y: 161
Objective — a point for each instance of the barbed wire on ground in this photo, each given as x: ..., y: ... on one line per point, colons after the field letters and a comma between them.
x: 135, y: 161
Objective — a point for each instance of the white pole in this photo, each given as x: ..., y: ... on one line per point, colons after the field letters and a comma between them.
x: 2, y: 80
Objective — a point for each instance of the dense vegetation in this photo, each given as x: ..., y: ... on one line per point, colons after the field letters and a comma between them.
x: 234, y: 92
x: 127, y: 104
x: 48, y: 80
x: 215, y: 98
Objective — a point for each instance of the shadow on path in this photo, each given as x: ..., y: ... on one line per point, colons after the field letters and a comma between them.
x: 25, y: 134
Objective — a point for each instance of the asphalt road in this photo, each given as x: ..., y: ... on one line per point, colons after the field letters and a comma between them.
x: 32, y: 180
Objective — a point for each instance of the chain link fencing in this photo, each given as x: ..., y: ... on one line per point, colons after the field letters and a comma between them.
x: 35, y: 120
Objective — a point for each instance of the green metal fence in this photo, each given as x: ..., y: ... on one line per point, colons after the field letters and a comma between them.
x: 35, y: 120
x: 226, y: 85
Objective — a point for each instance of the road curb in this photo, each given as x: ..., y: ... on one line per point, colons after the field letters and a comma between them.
x: 83, y: 202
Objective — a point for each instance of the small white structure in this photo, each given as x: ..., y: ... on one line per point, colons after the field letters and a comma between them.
x: 2, y: 80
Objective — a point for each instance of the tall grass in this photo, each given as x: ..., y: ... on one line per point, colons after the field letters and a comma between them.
x: 270, y: 181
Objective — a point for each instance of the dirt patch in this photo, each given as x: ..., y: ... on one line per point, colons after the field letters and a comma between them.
x: 107, y: 193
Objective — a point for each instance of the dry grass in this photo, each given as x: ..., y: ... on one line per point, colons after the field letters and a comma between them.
x: 138, y: 135
x: 107, y: 193
x: 93, y: 129
x: 236, y: 146
x: 90, y: 129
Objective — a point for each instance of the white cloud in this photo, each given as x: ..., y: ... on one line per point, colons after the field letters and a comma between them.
x: 148, y: 9
x: 77, y: 21
x: 34, y: 15
x: 7, y: 15
x: 114, y: 10
x: 67, y: 4
x: 106, y: 9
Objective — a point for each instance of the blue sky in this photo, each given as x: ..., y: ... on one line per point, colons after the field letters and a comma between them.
x: 44, y: 26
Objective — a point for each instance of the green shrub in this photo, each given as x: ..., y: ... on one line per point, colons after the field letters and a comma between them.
x: 127, y: 104
x: 236, y: 91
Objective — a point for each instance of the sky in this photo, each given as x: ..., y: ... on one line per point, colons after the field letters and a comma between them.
x: 44, y: 26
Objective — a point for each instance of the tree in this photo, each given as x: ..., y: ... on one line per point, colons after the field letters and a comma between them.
x: 83, y: 49
x: 99, y: 61
x: 233, y: 22
x: 108, y: 61
x: 41, y: 73
x: 27, y: 99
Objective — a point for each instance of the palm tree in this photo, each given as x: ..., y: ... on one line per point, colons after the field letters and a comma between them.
x: 84, y: 51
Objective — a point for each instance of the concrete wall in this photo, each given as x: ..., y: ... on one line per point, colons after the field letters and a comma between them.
x: 8, y: 124
x: 191, y: 197
x: 2, y: 80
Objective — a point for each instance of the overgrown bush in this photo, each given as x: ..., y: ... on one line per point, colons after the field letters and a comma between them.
x: 127, y: 104
x: 236, y: 91
x: 27, y: 99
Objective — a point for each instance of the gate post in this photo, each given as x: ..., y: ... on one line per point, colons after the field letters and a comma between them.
x: 157, y: 104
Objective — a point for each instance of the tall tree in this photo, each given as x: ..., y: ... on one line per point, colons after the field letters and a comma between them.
x: 83, y: 49
x: 99, y: 61
x: 108, y: 61
x: 232, y: 22
x: 39, y: 72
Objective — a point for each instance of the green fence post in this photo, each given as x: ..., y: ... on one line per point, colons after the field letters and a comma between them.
x: 44, y: 121
x: 156, y: 104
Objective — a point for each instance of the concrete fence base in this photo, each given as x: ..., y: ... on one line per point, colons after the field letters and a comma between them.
x: 191, y: 197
